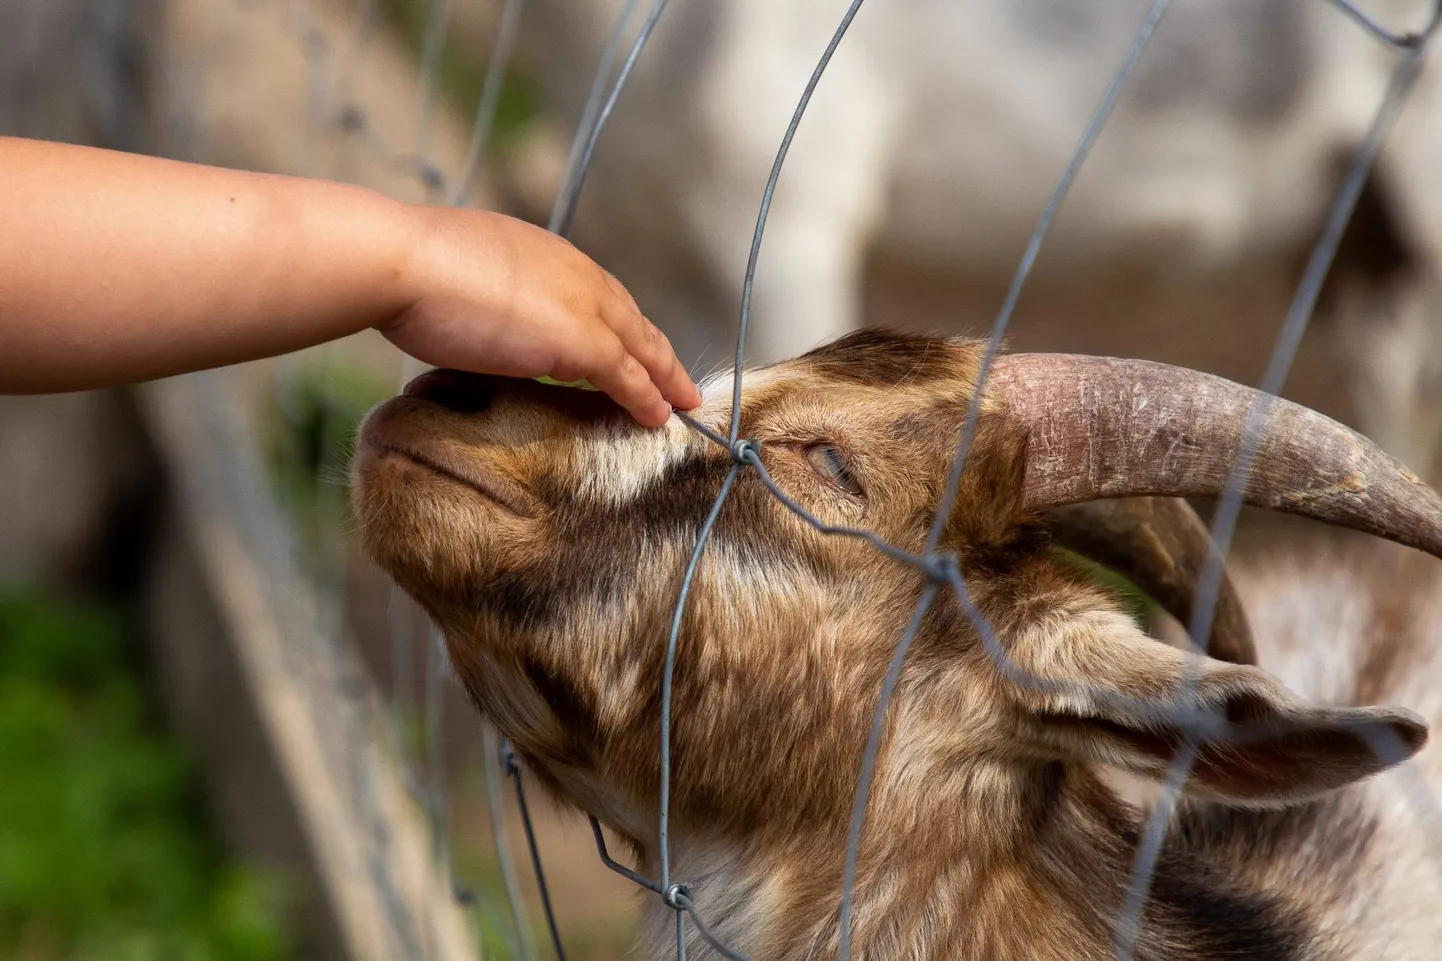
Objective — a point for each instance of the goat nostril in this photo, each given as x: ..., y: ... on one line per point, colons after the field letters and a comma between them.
x: 457, y: 390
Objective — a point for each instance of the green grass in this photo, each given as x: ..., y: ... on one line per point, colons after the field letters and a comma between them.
x: 106, y: 853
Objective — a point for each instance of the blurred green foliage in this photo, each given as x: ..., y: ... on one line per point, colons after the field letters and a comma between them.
x: 310, y: 438
x: 105, y: 849
x: 317, y: 410
x: 462, y: 73
x: 1133, y: 599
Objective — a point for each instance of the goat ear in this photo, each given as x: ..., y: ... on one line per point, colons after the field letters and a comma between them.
x: 1118, y: 697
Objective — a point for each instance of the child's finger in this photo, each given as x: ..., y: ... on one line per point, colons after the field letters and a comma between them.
x: 629, y: 384
x: 677, y: 386
x: 644, y: 341
x: 667, y: 374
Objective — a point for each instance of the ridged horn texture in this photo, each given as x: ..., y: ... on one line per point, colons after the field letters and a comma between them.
x: 1103, y: 427
x: 1162, y: 546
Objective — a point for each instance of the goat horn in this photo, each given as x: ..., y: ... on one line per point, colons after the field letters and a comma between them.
x: 1101, y: 427
x: 1162, y: 546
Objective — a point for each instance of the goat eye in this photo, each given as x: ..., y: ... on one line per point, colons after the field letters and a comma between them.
x: 831, y: 464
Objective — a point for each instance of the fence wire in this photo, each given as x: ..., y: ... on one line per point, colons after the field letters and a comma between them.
x: 334, y: 109
x: 942, y: 571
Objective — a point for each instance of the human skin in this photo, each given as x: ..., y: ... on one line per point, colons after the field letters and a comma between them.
x: 118, y: 268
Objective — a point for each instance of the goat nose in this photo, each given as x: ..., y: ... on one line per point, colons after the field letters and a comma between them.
x: 457, y: 390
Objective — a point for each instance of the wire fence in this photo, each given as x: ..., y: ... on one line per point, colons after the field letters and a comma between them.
x: 333, y: 109
x: 942, y: 570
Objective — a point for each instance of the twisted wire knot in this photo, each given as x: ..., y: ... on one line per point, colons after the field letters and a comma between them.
x: 745, y: 451
x: 941, y: 567
x: 677, y: 896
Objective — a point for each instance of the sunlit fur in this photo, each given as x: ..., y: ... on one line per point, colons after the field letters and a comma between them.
x: 989, y: 832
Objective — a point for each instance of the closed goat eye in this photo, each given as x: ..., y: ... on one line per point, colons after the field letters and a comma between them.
x: 828, y: 461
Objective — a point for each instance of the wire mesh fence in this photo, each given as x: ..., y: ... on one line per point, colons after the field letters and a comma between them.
x: 943, y: 572
x: 334, y: 60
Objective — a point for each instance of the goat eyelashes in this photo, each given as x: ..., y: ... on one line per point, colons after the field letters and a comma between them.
x: 831, y: 464
x: 1006, y: 804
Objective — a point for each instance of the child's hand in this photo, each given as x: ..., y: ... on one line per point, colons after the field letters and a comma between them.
x: 187, y: 267
x: 498, y: 295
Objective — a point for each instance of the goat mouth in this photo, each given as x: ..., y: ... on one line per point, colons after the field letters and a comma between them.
x: 491, y: 488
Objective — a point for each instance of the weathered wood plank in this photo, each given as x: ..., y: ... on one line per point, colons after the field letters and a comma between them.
x: 323, y: 727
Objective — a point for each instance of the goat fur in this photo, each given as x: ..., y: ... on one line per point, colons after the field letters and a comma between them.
x: 546, y: 535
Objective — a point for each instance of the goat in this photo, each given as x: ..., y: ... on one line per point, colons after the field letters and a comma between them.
x: 546, y: 536
x: 935, y: 136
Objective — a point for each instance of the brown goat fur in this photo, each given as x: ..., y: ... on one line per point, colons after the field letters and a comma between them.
x: 547, y: 535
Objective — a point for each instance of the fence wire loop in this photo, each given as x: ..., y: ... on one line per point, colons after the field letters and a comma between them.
x: 941, y: 567
x: 617, y: 866
x: 745, y: 451
x: 707, y: 935
x: 676, y: 896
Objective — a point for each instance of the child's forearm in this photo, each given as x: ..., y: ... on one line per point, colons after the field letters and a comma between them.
x: 116, y: 268
x: 120, y: 268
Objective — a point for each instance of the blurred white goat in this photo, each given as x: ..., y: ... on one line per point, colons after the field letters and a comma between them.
x: 941, y: 126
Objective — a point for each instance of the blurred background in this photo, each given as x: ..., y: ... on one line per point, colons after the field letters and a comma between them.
x: 224, y: 735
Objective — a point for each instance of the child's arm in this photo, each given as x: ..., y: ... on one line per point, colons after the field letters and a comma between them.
x: 116, y: 268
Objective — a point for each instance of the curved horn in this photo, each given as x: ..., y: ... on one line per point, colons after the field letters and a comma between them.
x: 1102, y: 427
x: 1162, y: 546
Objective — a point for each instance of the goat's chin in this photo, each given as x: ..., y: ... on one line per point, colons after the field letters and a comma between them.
x: 435, y: 537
